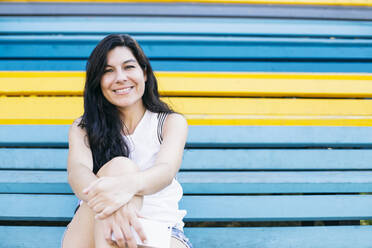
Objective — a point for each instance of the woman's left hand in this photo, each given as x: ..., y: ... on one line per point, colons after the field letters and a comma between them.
x: 108, y: 194
x: 119, y: 225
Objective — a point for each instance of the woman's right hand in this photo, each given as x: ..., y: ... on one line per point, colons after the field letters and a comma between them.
x: 119, y: 224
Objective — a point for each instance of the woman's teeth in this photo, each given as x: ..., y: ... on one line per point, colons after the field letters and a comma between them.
x: 123, y: 90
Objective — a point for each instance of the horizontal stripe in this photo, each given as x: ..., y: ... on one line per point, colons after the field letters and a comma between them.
x: 212, y: 159
x: 188, y: 47
x: 235, y: 111
x: 206, y: 66
x: 212, y: 136
x: 185, y: 26
x: 241, y: 208
x: 202, y: 84
x: 52, y: 182
x: 296, y: 2
x: 209, y: 237
x: 185, y: 9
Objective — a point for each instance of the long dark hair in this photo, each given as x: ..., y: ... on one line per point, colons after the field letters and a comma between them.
x: 101, y: 119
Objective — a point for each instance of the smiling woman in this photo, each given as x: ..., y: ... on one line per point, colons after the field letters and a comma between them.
x: 124, y: 154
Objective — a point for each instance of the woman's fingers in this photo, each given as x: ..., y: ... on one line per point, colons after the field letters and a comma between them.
x: 96, y: 204
x: 91, y: 187
x: 138, y: 228
x: 119, y: 236
x: 107, y: 232
x: 129, y: 237
x: 106, y: 212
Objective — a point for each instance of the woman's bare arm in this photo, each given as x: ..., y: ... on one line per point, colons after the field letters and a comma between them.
x: 80, y: 161
x: 169, y: 158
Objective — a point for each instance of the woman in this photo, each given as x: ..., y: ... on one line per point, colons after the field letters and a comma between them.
x: 124, y: 152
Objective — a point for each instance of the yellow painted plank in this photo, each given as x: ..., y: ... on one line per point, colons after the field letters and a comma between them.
x: 289, y: 2
x: 204, y: 111
x: 203, y: 84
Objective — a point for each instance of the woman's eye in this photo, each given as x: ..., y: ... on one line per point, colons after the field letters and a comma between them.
x: 107, y: 70
x: 127, y: 67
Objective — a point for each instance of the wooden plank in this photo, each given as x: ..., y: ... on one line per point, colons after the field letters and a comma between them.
x: 265, y: 237
x: 241, y: 208
x: 304, y: 2
x: 185, y: 9
x: 282, y: 237
x: 212, y: 159
x: 212, y: 136
x: 185, y: 26
x: 202, y: 84
x: 204, y: 111
x: 66, y: 46
x: 274, y: 65
x: 16, y: 181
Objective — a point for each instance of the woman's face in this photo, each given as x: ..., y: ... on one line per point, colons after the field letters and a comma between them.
x: 123, y: 82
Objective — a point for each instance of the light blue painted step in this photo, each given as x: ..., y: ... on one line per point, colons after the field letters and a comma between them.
x: 212, y: 159
x: 211, y: 208
x: 189, y: 47
x: 212, y: 136
x: 185, y: 26
x: 15, y: 181
x: 209, y: 237
x: 344, y: 66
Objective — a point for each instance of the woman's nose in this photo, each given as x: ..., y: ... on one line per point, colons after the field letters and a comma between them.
x: 121, y: 76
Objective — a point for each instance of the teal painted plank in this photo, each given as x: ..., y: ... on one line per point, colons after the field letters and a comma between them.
x: 207, y: 65
x: 34, y: 135
x: 282, y: 237
x: 209, y: 237
x: 213, y: 159
x: 185, y: 26
x: 276, y: 159
x: 277, y: 208
x: 186, y: 9
x: 212, y: 136
x: 35, y: 158
x: 173, y: 47
x: 207, y: 208
x: 15, y: 181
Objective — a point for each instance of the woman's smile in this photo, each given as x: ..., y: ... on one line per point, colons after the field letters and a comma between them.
x: 123, y: 91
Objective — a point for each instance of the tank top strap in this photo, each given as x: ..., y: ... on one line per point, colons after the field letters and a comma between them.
x: 161, y: 118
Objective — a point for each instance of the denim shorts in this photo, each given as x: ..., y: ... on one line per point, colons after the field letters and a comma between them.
x: 178, y: 234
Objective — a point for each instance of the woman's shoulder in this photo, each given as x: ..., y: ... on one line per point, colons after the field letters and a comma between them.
x: 77, y: 128
x: 175, y: 120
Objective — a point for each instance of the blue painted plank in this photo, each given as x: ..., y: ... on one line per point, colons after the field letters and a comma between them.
x: 185, y: 26
x: 213, y: 159
x: 186, y: 9
x: 276, y: 159
x: 35, y: 158
x: 34, y: 135
x: 207, y: 208
x: 207, y: 65
x: 173, y: 47
x: 212, y: 136
x: 282, y: 237
x: 209, y: 237
x: 16, y: 181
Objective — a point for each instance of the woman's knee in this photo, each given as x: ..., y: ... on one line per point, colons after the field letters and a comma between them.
x: 118, y: 166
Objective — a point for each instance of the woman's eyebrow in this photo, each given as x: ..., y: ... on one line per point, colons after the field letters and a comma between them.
x: 125, y: 62
x: 129, y: 60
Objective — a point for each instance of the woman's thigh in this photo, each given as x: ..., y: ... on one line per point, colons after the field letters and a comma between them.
x: 80, y: 232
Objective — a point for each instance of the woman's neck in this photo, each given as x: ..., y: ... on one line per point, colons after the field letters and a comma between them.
x: 132, y: 116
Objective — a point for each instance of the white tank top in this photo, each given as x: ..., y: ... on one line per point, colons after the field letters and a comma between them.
x: 144, y: 145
